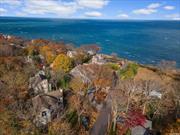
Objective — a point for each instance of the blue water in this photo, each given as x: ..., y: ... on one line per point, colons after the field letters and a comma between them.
x: 146, y: 42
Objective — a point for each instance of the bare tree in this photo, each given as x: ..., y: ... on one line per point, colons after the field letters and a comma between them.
x: 121, y: 98
x: 130, y: 93
x: 150, y: 90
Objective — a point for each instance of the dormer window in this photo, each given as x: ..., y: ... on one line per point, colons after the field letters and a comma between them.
x: 60, y: 101
x: 44, y: 113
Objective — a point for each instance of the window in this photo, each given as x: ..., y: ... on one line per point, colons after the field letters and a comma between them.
x: 44, y: 113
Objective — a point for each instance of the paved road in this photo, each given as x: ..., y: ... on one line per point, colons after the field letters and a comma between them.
x: 105, y: 117
x: 101, y: 125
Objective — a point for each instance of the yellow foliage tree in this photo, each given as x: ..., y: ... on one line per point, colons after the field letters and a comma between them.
x: 48, y: 54
x: 62, y: 63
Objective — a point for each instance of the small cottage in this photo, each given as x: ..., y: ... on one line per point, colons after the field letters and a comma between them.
x: 99, y: 59
x: 48, y: 106
x: 103, y: 59
x: 155, y: 94
x: 71, y: 54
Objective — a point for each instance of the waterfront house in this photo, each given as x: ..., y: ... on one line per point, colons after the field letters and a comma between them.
x: 98, y: 59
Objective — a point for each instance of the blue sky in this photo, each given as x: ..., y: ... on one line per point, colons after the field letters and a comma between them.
x: 95, y: 9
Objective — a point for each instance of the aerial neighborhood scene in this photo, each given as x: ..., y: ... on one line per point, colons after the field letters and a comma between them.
x: 89, y: 67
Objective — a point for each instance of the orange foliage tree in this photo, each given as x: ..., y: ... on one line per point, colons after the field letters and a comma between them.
x: 39, y: 42
x: 104, y: 77
x: 48, y: 54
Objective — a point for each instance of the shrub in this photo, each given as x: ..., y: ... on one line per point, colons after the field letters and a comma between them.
x: 32, y: 50
x: 129, y: 72
x: 64, y: 82
x: 113, y: 66
x: 59, y: 127
x: 72, y: 118
x: 77, y: 84
x: 62, y: 62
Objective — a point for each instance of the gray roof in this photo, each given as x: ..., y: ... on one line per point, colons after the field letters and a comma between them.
x: 46, y: 100
x: 40, y: 76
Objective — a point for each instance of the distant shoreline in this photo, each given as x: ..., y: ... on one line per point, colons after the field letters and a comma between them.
x: 123, y: 20
x: 147, y: 42
x: 149, y: 66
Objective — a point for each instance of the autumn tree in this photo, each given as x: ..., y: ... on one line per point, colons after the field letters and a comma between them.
x: 77, y: 85
x: 48, y: 53
x: 130, y: 95
x: 39, y: 42
x: 62, y: 62
x: 59, y: 48
x: 104, y: 77
x: 16, y: 40
x: 118, y: 103
x: 60, y: 127
x: 32, y: 50
x: 6, y: 50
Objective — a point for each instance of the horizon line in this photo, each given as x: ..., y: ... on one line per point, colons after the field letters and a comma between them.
x: 88, y: 18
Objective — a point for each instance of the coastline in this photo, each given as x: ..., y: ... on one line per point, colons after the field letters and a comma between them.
x: 146, y: 45
x: 52, y: 84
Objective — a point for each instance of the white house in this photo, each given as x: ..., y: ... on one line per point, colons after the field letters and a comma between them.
x: 98, y: 59
x: 140, y: 130
x: 155, y: 94
x: 71, y: 54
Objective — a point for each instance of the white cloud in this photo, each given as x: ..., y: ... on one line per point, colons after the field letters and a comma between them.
x: 169, y: 7
x: 2, y: 11
x: 145, y: 11
x: 176, y: 18
x: 173, y: 16
x: 59, y: 7
x: 124, y: 16
x: 95, y: 4
x: 152, y: 8
x: 93, y: 14
x: 40, y: 7
x: 153, y: 5
x: 11, y: 2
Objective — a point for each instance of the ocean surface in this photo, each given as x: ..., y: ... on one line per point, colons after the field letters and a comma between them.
x: 147, y: 42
